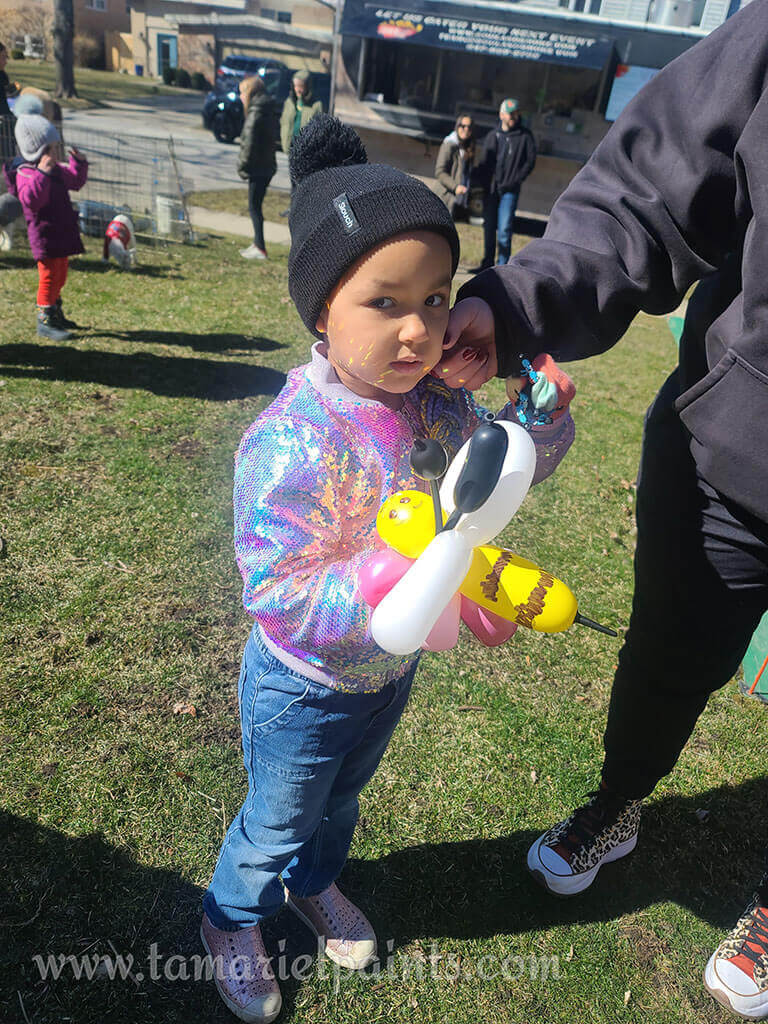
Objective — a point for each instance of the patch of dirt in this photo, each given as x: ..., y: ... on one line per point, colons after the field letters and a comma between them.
x: 105, y: 399
x: 645, y: 944
x: 187, y: 448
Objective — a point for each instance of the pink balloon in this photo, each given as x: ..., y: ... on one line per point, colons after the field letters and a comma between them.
x: 489, y: 628
x: 379, y: 573
x: 445, y: 633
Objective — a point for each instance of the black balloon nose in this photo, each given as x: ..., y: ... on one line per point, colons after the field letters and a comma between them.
x: 428, y: 459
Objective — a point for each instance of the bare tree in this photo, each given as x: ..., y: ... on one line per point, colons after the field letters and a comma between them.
x: 63, y: 52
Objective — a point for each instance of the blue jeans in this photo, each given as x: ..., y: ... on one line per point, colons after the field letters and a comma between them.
x: 498, y: 220
x: 308, y: 750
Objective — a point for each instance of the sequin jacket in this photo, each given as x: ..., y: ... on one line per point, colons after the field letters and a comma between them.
x: 310, y: 476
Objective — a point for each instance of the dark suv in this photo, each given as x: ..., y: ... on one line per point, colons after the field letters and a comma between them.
x: 238, y: 65
x: 222, y: 109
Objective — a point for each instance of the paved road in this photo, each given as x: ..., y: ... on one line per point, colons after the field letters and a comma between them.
x: 204, y: 163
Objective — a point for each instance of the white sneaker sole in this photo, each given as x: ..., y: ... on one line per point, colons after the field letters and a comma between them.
x: 239, y: 1012
x: 350, y: 962
x: 749, y: 1007
x: 571, y: 885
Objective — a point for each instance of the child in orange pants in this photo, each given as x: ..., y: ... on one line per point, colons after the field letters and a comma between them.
x: 42, y: 186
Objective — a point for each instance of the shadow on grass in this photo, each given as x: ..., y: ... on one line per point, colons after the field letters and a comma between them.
x: 65, y: 895
x: 81, y: 895
x: 477, y: 887
x: 161, y: 375
x: 93, y: 266
x: 24, y: 261
x: 199, y: 342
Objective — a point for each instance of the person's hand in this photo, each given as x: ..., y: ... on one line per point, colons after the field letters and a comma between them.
x: 47, y: 163
x: 469, y: 346
x: 75, y: 152
x: 460, y: 190
x: 514, y: 385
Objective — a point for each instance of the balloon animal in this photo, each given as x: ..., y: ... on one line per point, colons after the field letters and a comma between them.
x: 429, y: 577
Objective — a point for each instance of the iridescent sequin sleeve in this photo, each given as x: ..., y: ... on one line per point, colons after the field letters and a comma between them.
x: 303, y: 514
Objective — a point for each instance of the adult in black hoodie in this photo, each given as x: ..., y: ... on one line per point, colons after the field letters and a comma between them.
x: 676, y: 193
x: 509, y: 156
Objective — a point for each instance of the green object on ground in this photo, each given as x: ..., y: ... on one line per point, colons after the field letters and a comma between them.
x: 754, y: 660
x: 676, y: 326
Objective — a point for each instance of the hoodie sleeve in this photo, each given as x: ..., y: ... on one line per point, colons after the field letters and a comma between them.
x: 249, y: 139
x: 530, y: 156
x: 668, y: 193
x: 33, y: 187
x: 75, y: 173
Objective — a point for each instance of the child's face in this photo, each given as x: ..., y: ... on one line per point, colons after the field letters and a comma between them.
x: 386, y: 319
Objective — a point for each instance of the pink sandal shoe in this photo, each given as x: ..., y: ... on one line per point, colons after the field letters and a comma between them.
x: 348, y: 936
x: 242, y: 972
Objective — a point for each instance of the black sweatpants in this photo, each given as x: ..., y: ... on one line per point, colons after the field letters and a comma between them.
x: 701, y: 587
x: 257, y: 188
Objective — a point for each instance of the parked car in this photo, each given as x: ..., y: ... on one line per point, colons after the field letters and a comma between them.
x: 238, y: 65
x: 223, y: 112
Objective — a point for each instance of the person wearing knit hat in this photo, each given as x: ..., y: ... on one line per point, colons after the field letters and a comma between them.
x: 42, y: 186
x: 298, y: 110
x: 34, y: 135
x: 372, y: 258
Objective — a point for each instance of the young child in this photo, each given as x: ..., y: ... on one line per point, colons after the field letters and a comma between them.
x: 372, y: 256
x: 42, y: 187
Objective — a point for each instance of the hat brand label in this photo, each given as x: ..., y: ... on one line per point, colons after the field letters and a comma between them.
x: 349, y: 221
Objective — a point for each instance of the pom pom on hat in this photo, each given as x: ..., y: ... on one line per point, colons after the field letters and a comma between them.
x: 33, y: 136
x: 28, y: 103
x: 324, y: 143
x: 343, y: 207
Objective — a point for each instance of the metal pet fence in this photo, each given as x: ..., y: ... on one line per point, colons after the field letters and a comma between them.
x: 126, y: 174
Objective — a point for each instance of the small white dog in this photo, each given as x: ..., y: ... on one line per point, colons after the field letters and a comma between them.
x: 120, y: 243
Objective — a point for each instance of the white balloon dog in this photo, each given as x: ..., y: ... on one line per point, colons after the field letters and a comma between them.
x: 481, y: 491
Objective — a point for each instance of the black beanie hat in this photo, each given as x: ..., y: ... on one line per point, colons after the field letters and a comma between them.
x: 342, y: 207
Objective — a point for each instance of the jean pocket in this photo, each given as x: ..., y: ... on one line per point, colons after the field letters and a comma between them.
x: 277, y: 700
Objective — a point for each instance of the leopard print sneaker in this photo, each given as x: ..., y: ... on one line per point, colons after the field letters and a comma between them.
x: 566, y: 859
x: 737, y: 972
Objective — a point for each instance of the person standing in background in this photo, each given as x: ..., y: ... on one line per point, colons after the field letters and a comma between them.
x: 509, y: 156
x: 454, y: 167
x: 256, y: 163
x: 7, y: 120
x: 298, y: 110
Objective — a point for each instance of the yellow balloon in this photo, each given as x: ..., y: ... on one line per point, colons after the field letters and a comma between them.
x: 502, y: 582
x: 406, y: 522
x: 519, y: 591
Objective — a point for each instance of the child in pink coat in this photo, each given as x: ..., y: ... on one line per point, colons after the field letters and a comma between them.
x: 42, y: 186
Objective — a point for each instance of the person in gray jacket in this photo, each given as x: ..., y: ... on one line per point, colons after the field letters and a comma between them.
x: 454, y: 166
x: 676, y: 193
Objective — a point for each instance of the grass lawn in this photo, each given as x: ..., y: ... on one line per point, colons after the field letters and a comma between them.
x: 122, y: 631
x: 94, y: 88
